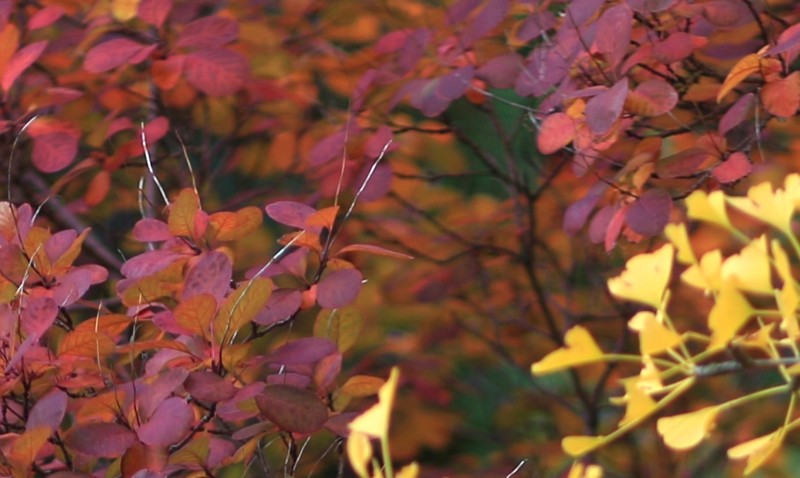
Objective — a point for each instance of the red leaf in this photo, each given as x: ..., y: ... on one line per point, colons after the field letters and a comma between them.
x: 380, y: 182
x: 614, y: 33
x: 683, y: 164
x: 48, y: 411
x: 72, y: 286
x: 216, y: 72
x: 111, y: 54
x: 555, y: 132
x: 151, y: 395
x: 339, y: 288
x: 20, y: 62
x: 650, y: 213
x: 614, y: 228
x: 604, y: 110
x: 154, y: 12
x: 292, y: 409
x: 151, y: 230
x: 675, y: 48
x: 54, y: 145
x: 326, y: 371
x: 107, y: 440
x: 208, y: 387
x: 281, y: 305
x: 290, y: 213
x: 45, y: 17
x: 652, y: 98
x: 211, y: 274
x: 171, y: 421
x: 208, y: 32
x: 302, y: 351
x: 782, y: 97
x: 736, y: 114
x: 736, y: 167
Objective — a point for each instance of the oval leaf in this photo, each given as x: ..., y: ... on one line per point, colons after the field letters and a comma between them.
x: 292, y: 409
x: 216, y: 72
x: 107, y: 440
x: 650, y: 213
x: 339, y: 288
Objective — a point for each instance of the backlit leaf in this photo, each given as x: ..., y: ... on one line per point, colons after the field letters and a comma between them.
x: 682, y: 432
x: 241, y: 306
x: 341, y: 326
x: 579, y: 349
x: 555, y: 132
x: 775, y: 208
x: 758, y: 450
x: 580, y: 445
x: 182, y: 212
x: 638, y: 404
x: 645, y: 277
x: 230, y: 226
x: 730, y: 313
x: 709, y: 208
x: 707, y: 274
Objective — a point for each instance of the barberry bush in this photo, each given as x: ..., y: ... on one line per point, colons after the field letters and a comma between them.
x: 448, y: 187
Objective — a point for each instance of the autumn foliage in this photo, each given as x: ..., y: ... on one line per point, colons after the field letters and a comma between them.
x: 398, y: 238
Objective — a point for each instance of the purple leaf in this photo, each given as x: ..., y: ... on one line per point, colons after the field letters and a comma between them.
x: 650, y: 213
x: 290, y: 213
x: 72, y: 286
x: 736, y: 114
x: 292, y: 409
x: 108, y: 440
x: 211, y: 274
x: 292, y: 379
x: 151, y: 230
x: 48, y: 411
x: 302, y: 351
x: 327, y: 149
x: 580, y: 11
x: 234, y: 410
x: 599, y: 224
x: 339, y: 288
x: 460, y: 10
x: 501, y: 71
x: 577, y: 212
x: 675, y: 48
x: 489, y: 17
x: 171, y: 421
x: 148, y: 263
x: 681, y: 165
x: 281, y: 305
x: 614, y: 33
x: 604, y: 110
x: 208, y: 387
x: 788, y: 42
x: 535, y: 24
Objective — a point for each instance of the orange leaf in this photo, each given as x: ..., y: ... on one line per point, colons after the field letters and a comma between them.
x: 196, y: 313
x: 26, y: 447
x: 98, y: 188
x: 555, y: 132
x: 748, y: 65
x: 324, y: 217
x: 230, y: 226
x: 362, y: 386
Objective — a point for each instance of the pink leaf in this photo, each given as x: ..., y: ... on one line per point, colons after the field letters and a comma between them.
x: 460, y: 10
x: 111, y: 54
x: 45, y: 17
x: 59, y: 243
x: 339, y: 288
x: 675, y: 48
x: 788, y: 43
x: 281, y: 305
x: 72, y: 286
x: 614, y: 33
x: 650, y: 213
x: 290, y: 213
x: 614, y: 228
x: 292, y: 409
x: 48, y: 411
x: 604, y: 110
x: 736, y: 114
x: 150, y: 395
x: 683, y: 164
x: 148, y: 263
x: 369, y: 248
x: 327, y: 149
x: 154, y: 12
x: 302, y: 351
x: 54, y: 146
x: 233, y: 410
x: 555, y: 132
x: 599, y: 224
x: 38, y: 315
x: 292, y: 379
x: 736, y: 167
x: 216, y: 71
x: 652, y: 98
x: 171, y: 421
x: 151, y: 230
x: 646, y: 6
x: 108, y: 440
x: 580, y: 11
x: 489, y: 17
x: 208, y: 32
x: 535, y: 24
x: 211, y: 274
x: 208, y: 387
x: 380, y: 182
x: 20, y: 62
x: 326, y: 371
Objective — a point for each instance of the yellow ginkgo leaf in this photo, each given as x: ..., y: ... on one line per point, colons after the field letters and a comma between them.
x: 707, y: 275
x: 728, y: 316
x: 750, y: 269
x: 681, y: 432
x: 753, y: 63
x: 645, y: 277
x: 359, y: 452
x: 708, y: 208
x: 781, y: 262
x: 579, y: 470
x: 408, y: 471
x: 375, y: 421
x: 638, y: 404
x: 677, y: 235
x: 579, y: 445
x: 757, y: 450
x: 579, y: 349
x: 775, y: 208
x: 654, y: 336
x: 788, y: 301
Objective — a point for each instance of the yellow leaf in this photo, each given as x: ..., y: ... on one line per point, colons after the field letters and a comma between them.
x: 775, y: 208
x: 757, y: 450
x: 709, y: 208
x: 408, y: 471
x: 579, y: 470
x: 677, y: 234
x: 645, y: 277
x: 707, y: 275
x: 748, y: 65
x: 195, y: 314
x: 638, y: 403
x: 654, y: 336
x: 182, y: 212
x: 781, y: 262
x: 240, y: 307
x: 324, y: 217
x: 359, y: 452
x: 681, y: 432
x: 579, y: 445
x: 25, y: 448
x: 230, y: 226
x: 580, y: 349
x: 375, y: 421
x: 750, y: 269
x: 729, y: 314
x: 788, y: 301
x: 124, y: 10
x: 341, y: 326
